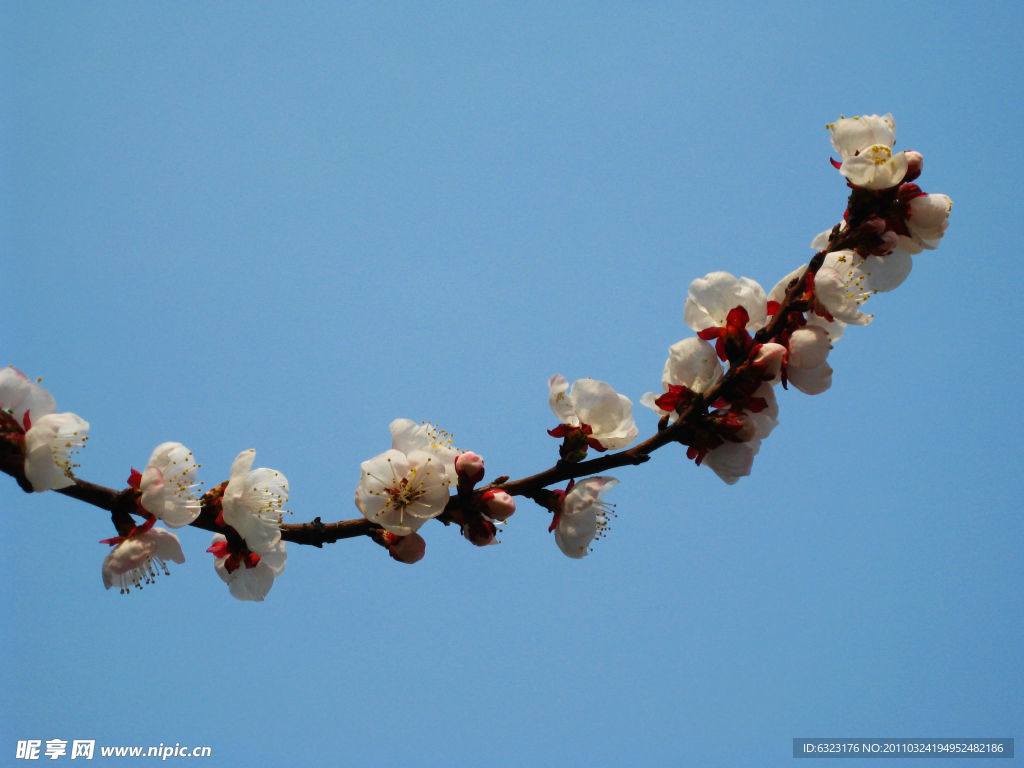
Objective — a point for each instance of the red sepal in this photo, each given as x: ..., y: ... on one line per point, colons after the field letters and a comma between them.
x: 219, y: 549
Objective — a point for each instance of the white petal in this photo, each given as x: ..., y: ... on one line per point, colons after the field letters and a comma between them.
x: 561, y: 402
x: 811, y: 381
x: 808, y: 347
x: 713, y: 296
x: 692, y: 363
x: 851, y: 135
x: 731, y: 461
x: 884, y: 273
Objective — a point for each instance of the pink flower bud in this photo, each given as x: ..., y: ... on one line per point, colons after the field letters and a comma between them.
x: 498, y: 505
x: 406, y: 549
x: 469, y: 467
x: 479, y: 532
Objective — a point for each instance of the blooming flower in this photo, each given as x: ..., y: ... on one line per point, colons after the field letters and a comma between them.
x: 400, y: 491
x: 167, y: 485
x: 713, y: 296
x: 253, y: 502
x: 50, y: 438
x: 603, y: 415
x: 49, y: 445
x: 249, y: 575
x: 927, y: 220
x: 733, y: 460
x: 806, y: 366
x: 865, y: 144
x: 582, y: 516
x: 138, y: 558
x: 852, y: 135
x: 692, y: 366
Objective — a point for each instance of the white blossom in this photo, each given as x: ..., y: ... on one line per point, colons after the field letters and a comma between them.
x: 253, y: 502
x: 691, y: 363
x: 713, y: 296
x: 138, y: 558
x: 249, y: 577
x: 400, y: 491
x: 865, y: 144
x: 594, y: 404
x: 582, y: 516
x: 49, y: 446
x: 733, y: 460
x: 806, y: 363
x: 167, y: 485
x: 50, y: 438
x: 852, y: 135
x: 927, y: 220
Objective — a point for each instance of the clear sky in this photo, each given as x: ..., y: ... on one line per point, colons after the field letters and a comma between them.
x: 282, y: 225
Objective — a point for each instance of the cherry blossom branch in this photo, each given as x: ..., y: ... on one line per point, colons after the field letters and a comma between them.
x: 719, y: 416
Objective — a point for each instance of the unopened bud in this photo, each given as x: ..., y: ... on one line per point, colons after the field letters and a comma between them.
x: 469, y: 467
x: 497, y: 505
x: 406, y: 549
x: 915, y: 164
x: 479, y: 531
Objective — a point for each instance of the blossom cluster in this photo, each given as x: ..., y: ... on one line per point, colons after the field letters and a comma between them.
x: 718, y: 398
x: 248, y: 555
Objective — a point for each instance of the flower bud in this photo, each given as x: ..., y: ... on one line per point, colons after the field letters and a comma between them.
x: 497, y: 505
x: 406, y: 549
x: 915, y: 164
x: 479, y: 532
x: 469, y: 467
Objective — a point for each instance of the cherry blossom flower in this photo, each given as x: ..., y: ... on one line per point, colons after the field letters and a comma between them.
x: 734, y: 459
x: 167, y: 485
x: 582, y: 516
x: 806, y: 361
x: 50, y: 438
x: 249, y: 575
x: 400, y: 491
x: 865, y: 144
x: 692, y: 367
x: 138, y: 558
x: 253, y: 502
x: 713, y: 296
x: 927, y: 220
x: 852, y: 135
x: 49, y: 445
x: 604, y: 417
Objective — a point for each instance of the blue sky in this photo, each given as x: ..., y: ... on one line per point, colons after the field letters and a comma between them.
x: 281, y: 226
